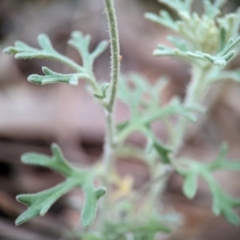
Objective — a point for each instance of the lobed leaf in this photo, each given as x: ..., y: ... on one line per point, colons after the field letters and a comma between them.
x: 23, y: 51
x: 56, y: 162
x: 39, y: 203
x: 51, y: 77
x: 222, y: 203
x: 163, y: 18
x: 82, y: 44
x: 210, y: 9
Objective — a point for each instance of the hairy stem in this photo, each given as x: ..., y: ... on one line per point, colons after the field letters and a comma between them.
x: 115, y: 51
x: 109, y: 147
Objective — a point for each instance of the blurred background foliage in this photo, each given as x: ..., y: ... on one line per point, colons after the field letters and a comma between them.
x: 31, y: 117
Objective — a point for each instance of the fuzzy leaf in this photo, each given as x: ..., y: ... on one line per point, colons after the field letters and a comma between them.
x: 210, y: 9
x: 164, y: 19
x: 39, y: 203
x: 222, y: 203
x: 56, y: 162
x: 89, y: 210
x: 54, y: 77
x: 220, y: 60
x: 82, y: 44
x: 23, y: 51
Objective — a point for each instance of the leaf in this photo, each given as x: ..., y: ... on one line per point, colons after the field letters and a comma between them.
x: 174, y: 107
x: 222, y: 163
x: 164, y: 19
x: 220, y: 61
x: 23, y: 51
x: 39, y: 203
x: 222, y: 203
x: 104, y: 89
x: 210, y: 9
x: 56, y: 162
x: 54, y: 77
x: 163, y: 151
x: 205, y: 39
x: 190, y: 186
x: 82, y: 44
x: 89, y: 210
x: 179, y: 43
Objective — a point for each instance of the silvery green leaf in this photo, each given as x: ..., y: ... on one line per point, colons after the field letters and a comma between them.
x: 210, y: 9
x: 179, y: 43
x: 23, y: 51
x: 89, y: 210
x: 163, y: 18
x: 82, y: 44
x: 56, y: 162
x: 39, y: 203
x: 232, y: 43
x: 222, y: 203
x: 51, y: 77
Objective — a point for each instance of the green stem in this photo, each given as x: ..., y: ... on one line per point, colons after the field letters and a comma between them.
x: 110, y: 146
x: 115, y: 51
x: 193, y: 95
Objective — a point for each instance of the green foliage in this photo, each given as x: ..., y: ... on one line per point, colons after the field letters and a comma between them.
x: 80, y: 42
x: 23, y: 51
x: 53, y: 77
x: 222, y: 202
x: 146, y: 108
x: 204, y: 41
x: 39, y: 203
x: 137, y: 228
